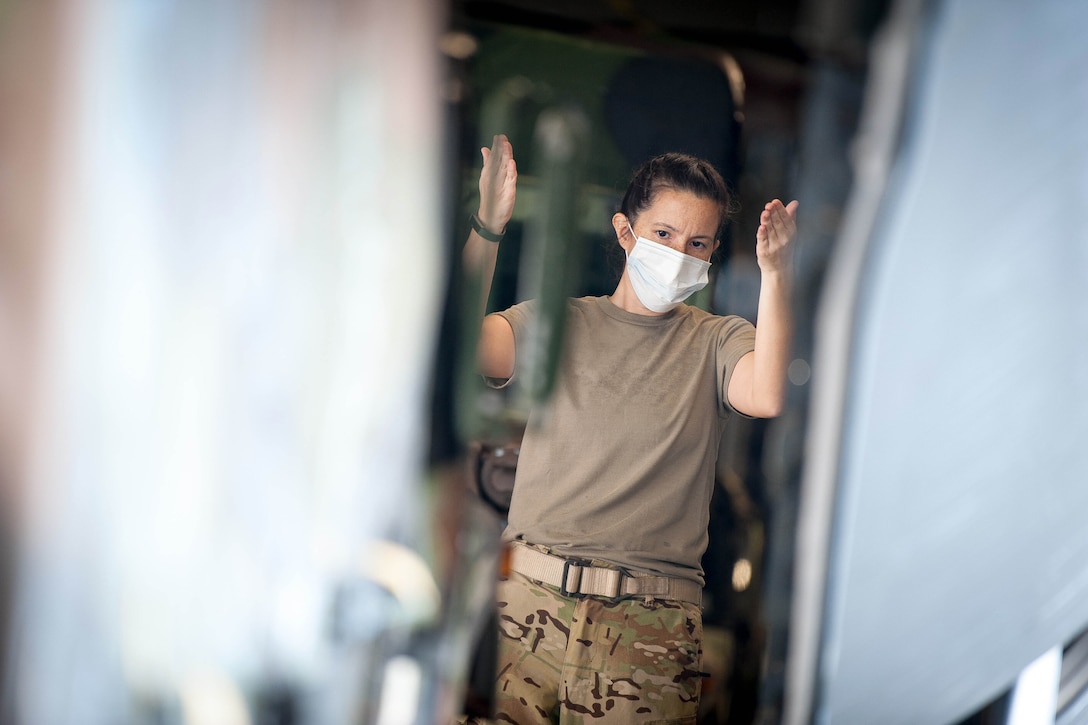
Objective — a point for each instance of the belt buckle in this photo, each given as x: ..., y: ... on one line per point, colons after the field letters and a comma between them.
x: 576, y: 594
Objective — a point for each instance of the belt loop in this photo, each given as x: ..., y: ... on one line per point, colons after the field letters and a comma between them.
x: 574, y: 591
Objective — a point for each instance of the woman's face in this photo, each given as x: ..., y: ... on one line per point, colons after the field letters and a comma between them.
x: 678, y: 219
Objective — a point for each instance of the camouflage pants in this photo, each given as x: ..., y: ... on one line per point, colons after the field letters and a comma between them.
x: 579, y: 660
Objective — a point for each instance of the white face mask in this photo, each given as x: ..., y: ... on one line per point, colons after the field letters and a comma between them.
x: 663, y: 277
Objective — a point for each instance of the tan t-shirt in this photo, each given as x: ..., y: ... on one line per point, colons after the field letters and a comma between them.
x: 619, y: 465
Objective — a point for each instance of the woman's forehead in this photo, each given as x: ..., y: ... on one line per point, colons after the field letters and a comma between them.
x: 677, y: 207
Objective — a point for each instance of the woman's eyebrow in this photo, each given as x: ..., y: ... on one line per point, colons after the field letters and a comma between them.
x: 671, y: 228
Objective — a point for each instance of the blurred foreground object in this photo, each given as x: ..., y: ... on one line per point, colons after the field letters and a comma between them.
x: 220, y: 270
x: 942, y: 547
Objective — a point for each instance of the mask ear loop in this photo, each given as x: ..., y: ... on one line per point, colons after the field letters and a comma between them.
x: 631, y: 231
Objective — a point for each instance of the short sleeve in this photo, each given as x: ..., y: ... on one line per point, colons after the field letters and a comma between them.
x: 520, y: 317
x: 736, y: 338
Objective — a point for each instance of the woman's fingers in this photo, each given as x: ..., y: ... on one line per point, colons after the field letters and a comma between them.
x: 778, y: 220
x: 498, y: 183
x: 777, y: 227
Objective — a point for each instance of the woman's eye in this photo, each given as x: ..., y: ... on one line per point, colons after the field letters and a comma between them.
x: 662, y: 234
x: 697, y: 244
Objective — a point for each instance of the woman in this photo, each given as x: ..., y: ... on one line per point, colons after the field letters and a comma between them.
x: 600, y: 617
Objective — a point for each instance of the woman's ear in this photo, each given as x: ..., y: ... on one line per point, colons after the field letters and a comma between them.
x: 625, y: 234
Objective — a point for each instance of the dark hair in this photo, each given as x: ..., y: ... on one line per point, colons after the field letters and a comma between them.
x: 681, y: 172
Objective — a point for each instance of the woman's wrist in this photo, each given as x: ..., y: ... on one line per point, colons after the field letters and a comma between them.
x: 486, y: 228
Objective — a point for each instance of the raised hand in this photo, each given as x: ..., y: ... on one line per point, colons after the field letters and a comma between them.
x: 498, y: 184
x: 777, y: 228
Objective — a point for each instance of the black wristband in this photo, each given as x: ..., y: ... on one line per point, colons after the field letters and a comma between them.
x: 479, y: 228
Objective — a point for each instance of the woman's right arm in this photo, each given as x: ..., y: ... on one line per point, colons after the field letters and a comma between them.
x: 498, y: 187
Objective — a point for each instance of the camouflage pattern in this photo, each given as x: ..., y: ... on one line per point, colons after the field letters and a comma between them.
x: 567, y: 660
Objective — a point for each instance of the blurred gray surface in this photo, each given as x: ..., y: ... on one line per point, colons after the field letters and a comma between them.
x: 958, y: 546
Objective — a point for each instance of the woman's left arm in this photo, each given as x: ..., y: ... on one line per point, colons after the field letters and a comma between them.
x: 758, y: 384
